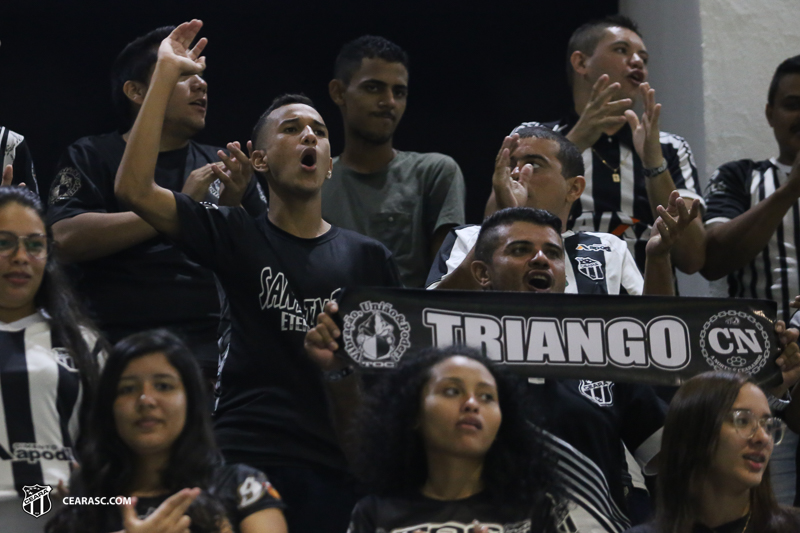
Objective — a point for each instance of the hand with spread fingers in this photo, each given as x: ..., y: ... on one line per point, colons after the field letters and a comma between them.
x: 646, y: 133
x: 199, y: 180
x: 320, y: 342
x: 600, y: 114
x: 176, y: 49
x: 170, y: 516
x: 234, y: 173
x: 510, y: 189
x: 670, y: 224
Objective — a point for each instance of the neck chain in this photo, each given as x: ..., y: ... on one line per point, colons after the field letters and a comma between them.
x: 748, y: 522
x: 615, y: 171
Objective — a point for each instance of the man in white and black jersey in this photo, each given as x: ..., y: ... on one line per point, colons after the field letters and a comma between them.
x: 753, y: 229
x: 539, y: 168
x: 631, y: 166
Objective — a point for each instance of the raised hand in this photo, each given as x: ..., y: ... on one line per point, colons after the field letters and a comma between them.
x: 176, y: 49
x: 645, y: 131
x: 600, y: 114
x: 234, y: 173
x: 199, y: 181
x: 669, y: 226
x: 789, y: 358
x: 509, y: 192
x: 170, y: 516
x: 320, y: 340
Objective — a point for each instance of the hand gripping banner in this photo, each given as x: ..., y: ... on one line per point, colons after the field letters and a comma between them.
x: 657, y: 340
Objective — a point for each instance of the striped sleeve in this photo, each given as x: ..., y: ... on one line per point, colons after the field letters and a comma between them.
x: 728, y: 192
x: 681, y: 165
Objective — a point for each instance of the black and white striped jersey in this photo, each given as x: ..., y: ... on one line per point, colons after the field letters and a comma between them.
x: 598, y: 263
x: 620, y: 205
x: 15, y: 152
x: 40, y: 396
x: 734, y: 188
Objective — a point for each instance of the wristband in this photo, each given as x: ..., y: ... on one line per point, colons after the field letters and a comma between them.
x: 653, y: 172
x: 338, y: 375
x: 779, y: 405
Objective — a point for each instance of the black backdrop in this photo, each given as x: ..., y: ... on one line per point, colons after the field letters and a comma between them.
x: 477, y: 69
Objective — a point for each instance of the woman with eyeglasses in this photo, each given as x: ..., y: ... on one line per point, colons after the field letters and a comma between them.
x: 713, y: 469
x: 48, y: 364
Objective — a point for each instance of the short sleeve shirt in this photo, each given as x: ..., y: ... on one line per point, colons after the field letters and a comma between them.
x: 401, y: 206
x: 272, y: 408
x: 151, y: 284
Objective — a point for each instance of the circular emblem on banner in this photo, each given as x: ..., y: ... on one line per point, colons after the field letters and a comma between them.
x: 376, y: 335
x: 735, y: 341
x: 66, y: 184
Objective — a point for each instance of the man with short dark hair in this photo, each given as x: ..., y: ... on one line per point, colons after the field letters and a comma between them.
x: 406, y: 200
x: 599, y: 263
x: 753, y: 228
x: 631, y: 167
x: 279, y: 271
x: 132, y: 278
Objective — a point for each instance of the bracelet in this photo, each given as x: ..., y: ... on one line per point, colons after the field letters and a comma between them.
x: 779, y: 404
x: 653, y: 172
x: 338, y: 375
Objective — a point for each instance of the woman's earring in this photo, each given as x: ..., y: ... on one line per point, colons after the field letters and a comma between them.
x: 328, y: 175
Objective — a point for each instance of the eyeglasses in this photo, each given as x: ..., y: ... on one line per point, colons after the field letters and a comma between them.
x: 746, y: 425
x: 36, y: 245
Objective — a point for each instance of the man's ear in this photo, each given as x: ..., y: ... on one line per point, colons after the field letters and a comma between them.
x: 576, y: 186
x: 480, y: 271
x: 259, y: 161
x: 135, y: 91
x: 578, y: 61
x: 336, y: 89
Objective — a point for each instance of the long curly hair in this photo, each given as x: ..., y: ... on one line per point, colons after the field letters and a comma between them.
x: 108, y: 464
x: 391, y: 459
x: 691, y: 436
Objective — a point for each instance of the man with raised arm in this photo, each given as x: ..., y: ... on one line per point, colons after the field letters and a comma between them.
x: 753, y: 228
x: 132, y: 278
x: 539, y: 168
x: 279, y: 270
x: 631, y: 166
x: 406, y: 200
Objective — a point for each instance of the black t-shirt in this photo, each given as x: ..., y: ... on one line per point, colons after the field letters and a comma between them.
x: 240, y: 489
x: 272, y: 407
x: 596, y: 417
x: 151, y: 284
x: 375, y: 514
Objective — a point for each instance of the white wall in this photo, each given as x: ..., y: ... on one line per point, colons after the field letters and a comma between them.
x: 711, y: 62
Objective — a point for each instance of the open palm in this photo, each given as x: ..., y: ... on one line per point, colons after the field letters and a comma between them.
x: 176, y: 48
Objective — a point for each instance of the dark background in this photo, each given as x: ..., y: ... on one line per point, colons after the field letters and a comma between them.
x: 477, y: 70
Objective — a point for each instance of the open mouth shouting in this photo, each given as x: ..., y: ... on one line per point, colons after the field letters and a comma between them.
x: 636, y: 76
x: 308, y: 159
x: 539, y: 281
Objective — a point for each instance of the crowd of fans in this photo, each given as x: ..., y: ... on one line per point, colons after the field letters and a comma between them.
x: 203, y: 284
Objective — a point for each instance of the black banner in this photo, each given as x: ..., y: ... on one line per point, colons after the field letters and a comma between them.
x: 657, y: 340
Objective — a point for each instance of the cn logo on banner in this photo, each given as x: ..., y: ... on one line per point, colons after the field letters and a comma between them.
x: 37, y: 500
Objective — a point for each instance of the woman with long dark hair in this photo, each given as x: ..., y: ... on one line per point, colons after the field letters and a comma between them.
x: 148, y: 436
x: 444, y: 439
x: 713, y: 469
x: 48, y: 363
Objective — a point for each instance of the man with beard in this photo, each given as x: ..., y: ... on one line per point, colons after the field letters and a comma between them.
x: 406, y: 200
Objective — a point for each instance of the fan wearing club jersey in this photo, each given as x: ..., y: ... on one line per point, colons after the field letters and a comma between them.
x: 539, y: 168
x: 631, y: 166
x: 279, y: 270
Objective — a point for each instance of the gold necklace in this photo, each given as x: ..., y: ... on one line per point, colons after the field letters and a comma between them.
x: 748, y: 522
x: 615, y: 171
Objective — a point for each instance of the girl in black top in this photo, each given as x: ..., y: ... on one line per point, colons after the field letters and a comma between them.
x: 148, y: 436
x: 713, y: 473
x: 443, y: 440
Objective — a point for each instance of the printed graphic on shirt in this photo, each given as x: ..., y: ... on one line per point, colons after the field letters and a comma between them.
x: 593, y: 247
x: 600, y: 392
x: 37, y: 499
x: 591, y: 268
x: 277, y: 294
x: 459, y: 527
x: 64, y: 358
x: 66, y: 184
